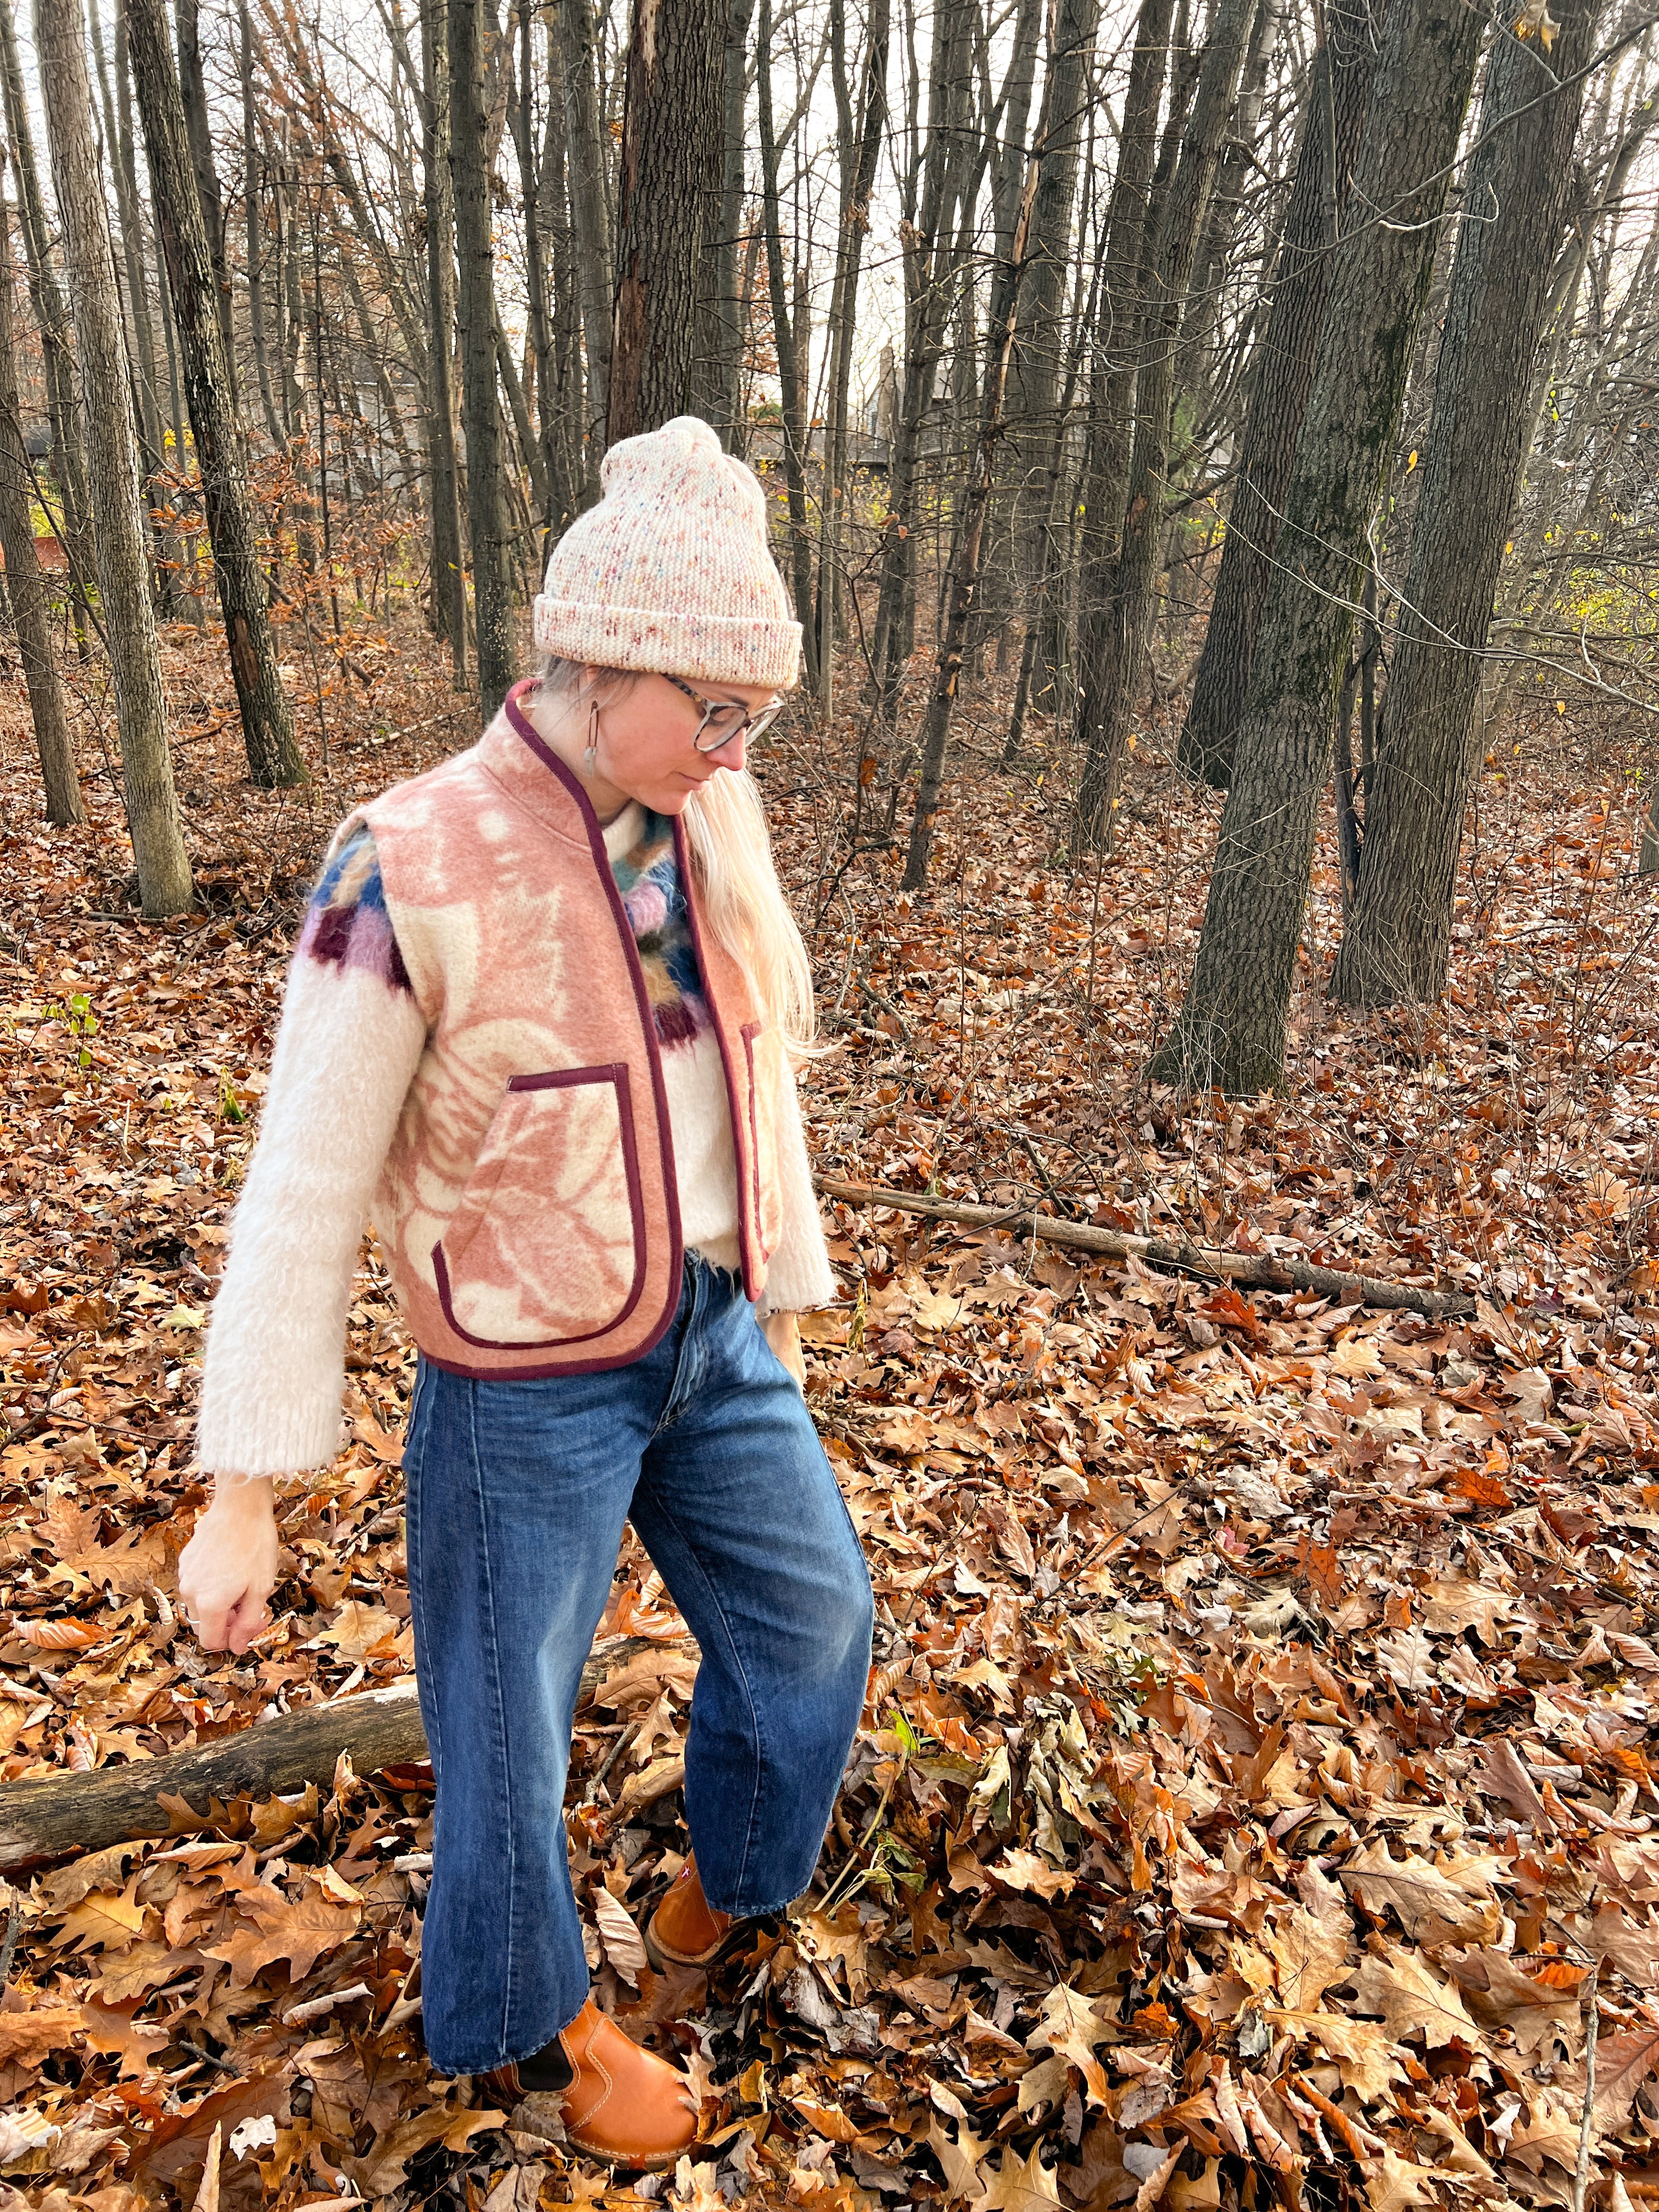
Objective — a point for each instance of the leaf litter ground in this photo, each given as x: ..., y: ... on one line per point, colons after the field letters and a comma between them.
x: 1256, y: 1761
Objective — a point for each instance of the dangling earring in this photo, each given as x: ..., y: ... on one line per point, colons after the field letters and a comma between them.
x: 591, y: 757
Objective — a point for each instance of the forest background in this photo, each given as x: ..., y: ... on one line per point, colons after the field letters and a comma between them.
x: 1211, y: 449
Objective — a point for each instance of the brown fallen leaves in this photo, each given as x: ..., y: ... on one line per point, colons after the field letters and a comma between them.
x: 1257, y: 1761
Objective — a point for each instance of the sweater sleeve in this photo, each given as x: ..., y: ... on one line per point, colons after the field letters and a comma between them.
x: 348, y: 1045
x: 798, y: 1275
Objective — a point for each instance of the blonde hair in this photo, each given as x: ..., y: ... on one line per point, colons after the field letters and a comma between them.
x: 742, y: 899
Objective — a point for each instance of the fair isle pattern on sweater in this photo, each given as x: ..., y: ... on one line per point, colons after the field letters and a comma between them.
x: 347, y: 925
x: 648, y: 877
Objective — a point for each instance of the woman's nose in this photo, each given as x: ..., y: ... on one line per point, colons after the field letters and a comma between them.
x: 734, y: 752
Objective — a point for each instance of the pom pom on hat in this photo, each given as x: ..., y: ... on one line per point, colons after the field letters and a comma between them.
x: 672, y: 573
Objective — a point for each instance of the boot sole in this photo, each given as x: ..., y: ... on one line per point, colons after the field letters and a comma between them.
x: 662, y: 1958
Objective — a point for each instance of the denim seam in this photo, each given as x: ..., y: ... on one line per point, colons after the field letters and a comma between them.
x: 501, y: 1714
x: 737, y: 1660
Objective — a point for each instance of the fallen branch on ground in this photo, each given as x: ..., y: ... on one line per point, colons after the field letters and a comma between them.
x: 59, y: 1815
x: 1254, y: 1270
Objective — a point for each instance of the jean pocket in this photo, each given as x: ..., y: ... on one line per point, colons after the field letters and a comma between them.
x: 547, y: 1245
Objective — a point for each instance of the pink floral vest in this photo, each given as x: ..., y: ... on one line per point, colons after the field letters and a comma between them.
x: 527, y: 1207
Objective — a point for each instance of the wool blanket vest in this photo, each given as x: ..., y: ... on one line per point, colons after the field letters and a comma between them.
x: 527, y: 1206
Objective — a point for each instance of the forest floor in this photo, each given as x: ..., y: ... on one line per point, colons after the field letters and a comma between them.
x: 1257, y: 1760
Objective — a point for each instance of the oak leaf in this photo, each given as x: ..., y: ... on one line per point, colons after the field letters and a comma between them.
x: 1022, y: 2185
x: 1392, y: 2182
x: 102, y: 1919
x: 620, y: 1938
x: 381, y: 2168
x: 1401, y: 1988
x: 1433, y: 1905
x: 281, y: 1929
x: 1070, y: 2026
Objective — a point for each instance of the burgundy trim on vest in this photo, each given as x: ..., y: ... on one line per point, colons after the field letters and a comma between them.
x: 566, y: 1078
x: 752, y: 1243
x: 550, y: 761
x: 748, y: 1032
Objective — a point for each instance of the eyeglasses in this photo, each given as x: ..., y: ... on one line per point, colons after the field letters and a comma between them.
x: 725, y: 718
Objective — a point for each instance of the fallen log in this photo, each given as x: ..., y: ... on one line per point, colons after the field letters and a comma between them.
x: 62, y: 1814
x: 1254, y: 1270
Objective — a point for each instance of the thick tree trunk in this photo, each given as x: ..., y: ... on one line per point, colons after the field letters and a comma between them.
x: 720, y: 316
x: 448, y: 575
x: 1338, y: 98
x: 152, y: 803
x: 1231, y: 1030
x: 1121, y: 624
x: 553, y: 494
x: 192, y: 87
x: 486, y: 499
x: 1398, y: 941
x: 667, y: 203
x: 273, y: 758
x: 23, y: 585
x: 579, y: 44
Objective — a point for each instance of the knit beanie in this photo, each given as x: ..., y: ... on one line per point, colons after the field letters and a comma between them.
x: 671, y: 573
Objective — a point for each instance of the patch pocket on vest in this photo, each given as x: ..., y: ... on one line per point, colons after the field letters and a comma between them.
x: 763, y: 1048
x: 547, y: 1246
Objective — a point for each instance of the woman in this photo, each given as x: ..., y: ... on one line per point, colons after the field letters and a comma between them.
x: 537, y: 1022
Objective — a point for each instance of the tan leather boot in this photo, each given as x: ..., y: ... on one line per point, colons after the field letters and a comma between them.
x: 685, y: 1930
x: 621, y: 2105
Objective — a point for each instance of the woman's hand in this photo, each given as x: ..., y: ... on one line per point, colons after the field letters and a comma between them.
x: 228, y: 1568
x: 783, y: 1335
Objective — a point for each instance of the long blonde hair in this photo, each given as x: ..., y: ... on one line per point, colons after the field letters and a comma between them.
x: 732, y: 852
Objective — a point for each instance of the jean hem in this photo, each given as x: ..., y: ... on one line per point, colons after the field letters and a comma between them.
x: 513, y: 2058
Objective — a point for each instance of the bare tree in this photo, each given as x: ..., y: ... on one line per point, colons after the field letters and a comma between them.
x: 152, y: 803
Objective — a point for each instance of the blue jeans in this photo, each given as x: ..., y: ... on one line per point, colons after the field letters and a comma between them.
x: 517, y: 1494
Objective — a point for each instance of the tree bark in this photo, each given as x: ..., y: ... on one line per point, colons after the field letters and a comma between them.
x: 720, y: 316
x: 1398, y: 942
x: 252, y: 208
x: 23, y: 585
x: 1231, y: 1030
x: 1116, y: 333
x: 448, y: 576
x: 486, y: 499
x: 1257, y: 1271
x: 1121, y: 624
x: 1338, y: 98
x: 52, y: 315
x: 273, y: 758
x: 192, y: 87
x: 74, y: 1814
x: 790, y: 337
x: 579, y: 41
x: 152, y: 803
x: 668, y: 203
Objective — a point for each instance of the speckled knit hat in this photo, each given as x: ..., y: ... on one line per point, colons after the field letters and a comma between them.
x: 671, y: 572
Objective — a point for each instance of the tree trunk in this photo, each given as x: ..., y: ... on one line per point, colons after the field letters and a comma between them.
x: 1118, y: 316
x: 720, y: 318
x: 52, y: 315
x: 1398, y: 941
x: 273, y: 758
x: 579, y: 44
x: 1231, y: 1030
x: 555, y: 504
x: 668, y: 203
x: 1034, y: 375
x: 486, y: 499
x: 791, y: 340
x: 194, y: 91
x: 964, y: 581
x: 860, y: 153
x: 152, y: 803
x: 1338, y: 100
x: 1120, y: 625
x: 23, y: 585
x: 253, y: 207
x: 448, y: 574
